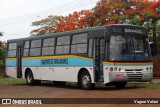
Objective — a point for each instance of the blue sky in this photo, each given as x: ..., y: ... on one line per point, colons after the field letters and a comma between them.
x: 17, y: 15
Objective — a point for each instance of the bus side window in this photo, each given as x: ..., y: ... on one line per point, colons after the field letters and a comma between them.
x: 79, y: 43
x: 26, y: 48
x: 35, y: 49
x: 48, y: 46
x: 90, y: 49
x: 12, y: 50
x: 63, y: 45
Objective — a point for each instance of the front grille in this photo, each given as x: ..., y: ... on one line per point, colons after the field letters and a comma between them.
x: 133, y: 69
x: 134, y: 75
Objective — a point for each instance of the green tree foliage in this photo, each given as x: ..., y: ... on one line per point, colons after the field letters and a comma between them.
x: 47, y: 25
x: 2, y: 54
x: 137, y: 12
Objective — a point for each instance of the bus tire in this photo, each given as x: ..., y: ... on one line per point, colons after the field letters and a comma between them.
x: 59, y: 83
x: 30, y: 79
x: 120, y: 84
x: 85, y: 81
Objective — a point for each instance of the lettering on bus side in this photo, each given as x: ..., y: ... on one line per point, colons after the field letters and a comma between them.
x: 54, y: 61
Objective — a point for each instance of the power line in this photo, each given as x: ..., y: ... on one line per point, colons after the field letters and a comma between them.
x: 58, y: 11
x: 31, y: 14
x: 35, y: 18
x: 61, y: 10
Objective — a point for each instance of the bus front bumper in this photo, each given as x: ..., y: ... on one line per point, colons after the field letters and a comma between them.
x: 130, y: 76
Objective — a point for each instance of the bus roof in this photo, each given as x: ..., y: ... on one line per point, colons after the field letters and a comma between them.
x: 72, y: 32
x: 58, y: 34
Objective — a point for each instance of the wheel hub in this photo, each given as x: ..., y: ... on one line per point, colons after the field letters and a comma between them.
x: 29, y: 78
x: 86, y: 80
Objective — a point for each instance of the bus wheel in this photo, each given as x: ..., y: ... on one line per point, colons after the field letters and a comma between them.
x: 59, y: 83
x: 30, y: 79
x: 120, y: 84
x: 85, y: 81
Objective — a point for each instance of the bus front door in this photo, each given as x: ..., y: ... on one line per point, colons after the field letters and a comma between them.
x: 98, y: 59
x: 19, y: 62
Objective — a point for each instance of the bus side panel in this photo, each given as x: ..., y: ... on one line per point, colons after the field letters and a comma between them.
x: 11, y: 71
x: 11, y: 68
x: 65, y: 74
x: 37, y: 72
x: 69, y: 74
x: 50, y: 69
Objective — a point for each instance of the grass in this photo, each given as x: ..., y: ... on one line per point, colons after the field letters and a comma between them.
x: 12, y: 81
x: 1, y: 76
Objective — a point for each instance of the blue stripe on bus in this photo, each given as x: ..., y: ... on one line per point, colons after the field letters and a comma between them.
x: 38, y: 62
x: 70, y: 62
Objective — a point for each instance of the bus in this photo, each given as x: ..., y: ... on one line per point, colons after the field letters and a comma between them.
x: 111, y: 55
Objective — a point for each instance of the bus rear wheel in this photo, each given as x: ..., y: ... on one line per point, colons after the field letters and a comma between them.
x: 120, y: 84
x: 30, y: 79
x: 85, y: 81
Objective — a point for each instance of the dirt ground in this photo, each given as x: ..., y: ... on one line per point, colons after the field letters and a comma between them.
x: 72, y: 91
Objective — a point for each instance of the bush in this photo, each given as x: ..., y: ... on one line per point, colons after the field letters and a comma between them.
x: 2, y: 55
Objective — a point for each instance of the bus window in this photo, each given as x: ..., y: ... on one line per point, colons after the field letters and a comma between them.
x: 63, y: 45
x: 62, y: 49
x: 79, y: 48
x: 26, y: 48
x: 90, y: 50
x: 129, y: 48
x: 12, y: 50
x: 35, y: 49
x: 63, y: 40
x: 48, y: 46
x: 79, y: 43
x: 12, y: 46
x: 79, y: 38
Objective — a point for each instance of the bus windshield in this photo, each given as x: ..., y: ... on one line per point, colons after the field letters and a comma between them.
x: 129, y: 48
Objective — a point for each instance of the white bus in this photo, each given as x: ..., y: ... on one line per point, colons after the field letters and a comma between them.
x: 114, y: 54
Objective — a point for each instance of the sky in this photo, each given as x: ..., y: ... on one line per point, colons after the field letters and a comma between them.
x: 16, y: 16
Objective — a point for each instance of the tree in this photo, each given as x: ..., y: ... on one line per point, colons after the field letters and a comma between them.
x: 2, y: 53
x: 138, y: 12
x: 47, y: 25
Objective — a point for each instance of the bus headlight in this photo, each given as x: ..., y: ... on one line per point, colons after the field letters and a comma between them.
x: 120, y: 69
x: 111, y: 69
x: 151, y: 69
x: 147, y: 69
x: 115, y: 69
